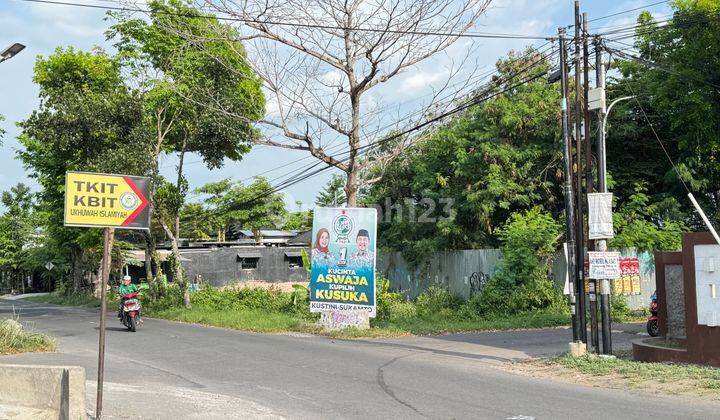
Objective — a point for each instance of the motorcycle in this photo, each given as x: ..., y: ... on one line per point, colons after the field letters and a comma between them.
x: 652, y: 324
x: 131, y: 310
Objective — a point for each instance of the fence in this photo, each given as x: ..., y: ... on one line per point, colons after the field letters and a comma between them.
x: 465, y: 272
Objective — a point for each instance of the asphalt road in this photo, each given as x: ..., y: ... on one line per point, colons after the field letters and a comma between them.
x: 175, y: 371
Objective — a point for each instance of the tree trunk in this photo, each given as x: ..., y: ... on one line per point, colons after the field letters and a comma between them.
x: 76, y: 263
x: 176, y: 248
x: 149, y: 250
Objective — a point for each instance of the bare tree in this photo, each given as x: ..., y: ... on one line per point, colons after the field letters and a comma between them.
x: 319, y: 59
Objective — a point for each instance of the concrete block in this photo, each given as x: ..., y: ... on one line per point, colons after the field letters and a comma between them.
x: 60, y: 389
x: 577, y: 349
x: 338, y: 320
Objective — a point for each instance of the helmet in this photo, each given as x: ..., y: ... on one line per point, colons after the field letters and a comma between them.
x: 126, y: 277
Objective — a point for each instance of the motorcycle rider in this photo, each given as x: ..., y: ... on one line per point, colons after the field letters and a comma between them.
x: 125, y: 288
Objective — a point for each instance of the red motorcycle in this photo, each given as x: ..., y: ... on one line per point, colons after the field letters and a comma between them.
x: 131, y: 310
x: 652, y: 324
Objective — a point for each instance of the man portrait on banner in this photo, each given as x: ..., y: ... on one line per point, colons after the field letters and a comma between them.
x: 362, y: 257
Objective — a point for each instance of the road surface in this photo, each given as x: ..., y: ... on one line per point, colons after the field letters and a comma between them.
x: 175, y: 371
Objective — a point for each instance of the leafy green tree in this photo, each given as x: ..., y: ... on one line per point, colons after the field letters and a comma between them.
x: 648, y: 226
x: 299, y: 220
x: 469, y: 176
x: 676, y: 83
x: 87, y: 120
x: 183, y: 75
x: 236, y: 207
x: 333, y: 194
x: 196, y: 222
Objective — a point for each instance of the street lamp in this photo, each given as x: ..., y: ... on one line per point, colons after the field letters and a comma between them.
x: 602, y: 156
x: 11, y: 51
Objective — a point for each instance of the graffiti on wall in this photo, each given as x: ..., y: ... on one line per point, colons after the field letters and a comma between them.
x: 478, y: 280
x: 629, y: 281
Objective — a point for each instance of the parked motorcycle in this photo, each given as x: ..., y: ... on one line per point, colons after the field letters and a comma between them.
x: 131, y: 311
x: 652, y: 324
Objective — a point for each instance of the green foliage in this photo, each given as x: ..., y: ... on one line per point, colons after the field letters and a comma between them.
x: 522, y: 284
x: 299, y: 220
x: 88, y: 119
x: 16, y: 339
x: 635, y: 226
x: 437, y: 301
x: 333, y: 194
x: 471, y: 174
x: 236, y: 206
x: 678, y: 95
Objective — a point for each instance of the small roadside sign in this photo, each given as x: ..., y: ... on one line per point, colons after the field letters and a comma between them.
x: 49, y: 266
x: 604, y: 265
x: 106, y: 200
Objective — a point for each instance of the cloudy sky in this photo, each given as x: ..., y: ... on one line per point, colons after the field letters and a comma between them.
x: 44, y: 27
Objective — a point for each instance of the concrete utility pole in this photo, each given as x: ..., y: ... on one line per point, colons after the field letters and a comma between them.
x: 592, y: 304
x: 579, y: 224
x: 568, y: 186
x: 601, y: 244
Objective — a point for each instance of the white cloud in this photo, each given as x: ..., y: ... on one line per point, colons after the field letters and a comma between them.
x: 420, y: 80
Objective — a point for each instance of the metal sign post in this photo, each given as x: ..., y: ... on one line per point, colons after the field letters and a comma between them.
x: 108, y: 201
x: 106, y: 263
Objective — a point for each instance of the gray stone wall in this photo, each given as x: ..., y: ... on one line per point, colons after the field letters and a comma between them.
x: 675, y: 295
x: 220, y: 266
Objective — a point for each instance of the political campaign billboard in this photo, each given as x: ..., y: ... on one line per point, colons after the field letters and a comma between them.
x: 343, y: 256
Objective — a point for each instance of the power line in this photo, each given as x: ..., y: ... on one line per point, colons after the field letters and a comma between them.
x: 628, y: 11
x: 484, y: 35
x: 289, y: 182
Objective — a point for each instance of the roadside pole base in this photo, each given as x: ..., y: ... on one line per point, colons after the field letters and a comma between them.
x: 577, y: 349
x: 339, y: 320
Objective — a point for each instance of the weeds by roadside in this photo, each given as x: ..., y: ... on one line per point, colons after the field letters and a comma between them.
x: 622, y: 372
x: 14, y: 338
x: 73, y: 299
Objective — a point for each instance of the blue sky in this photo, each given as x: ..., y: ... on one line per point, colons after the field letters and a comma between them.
x: 44, y: 27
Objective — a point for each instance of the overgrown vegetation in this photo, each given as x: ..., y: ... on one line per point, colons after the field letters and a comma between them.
x: 435, y: 311
x: 637, y: 374
x: 14, y: 338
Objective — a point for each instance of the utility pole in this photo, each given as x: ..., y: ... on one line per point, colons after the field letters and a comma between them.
x: 568, y: 186
x: 601, y: 244
x: 592, y: 304
x: 579, y: 224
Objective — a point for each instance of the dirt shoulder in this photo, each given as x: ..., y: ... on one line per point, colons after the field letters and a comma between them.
x: 687, y: 382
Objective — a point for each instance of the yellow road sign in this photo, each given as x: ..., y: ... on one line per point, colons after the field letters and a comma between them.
x: 106, y: 200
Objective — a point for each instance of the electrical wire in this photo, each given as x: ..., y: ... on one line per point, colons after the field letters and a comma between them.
x: 484, y: 35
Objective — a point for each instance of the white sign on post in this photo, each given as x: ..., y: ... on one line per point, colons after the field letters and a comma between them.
x: 600, y: 223
x: 604, y: 265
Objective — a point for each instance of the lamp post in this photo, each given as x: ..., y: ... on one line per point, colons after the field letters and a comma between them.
x: 11, y: 51
x: 602, y: 155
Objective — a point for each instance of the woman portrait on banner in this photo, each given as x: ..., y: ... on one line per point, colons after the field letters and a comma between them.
x: 321, y: 252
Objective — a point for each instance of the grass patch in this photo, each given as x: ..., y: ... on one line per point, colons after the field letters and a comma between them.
x: 662, y: 379
x: 74, y: 299
x: 15, y: 339
x: 240, y: 319
x: 631, y: 369
x: 273, y: 311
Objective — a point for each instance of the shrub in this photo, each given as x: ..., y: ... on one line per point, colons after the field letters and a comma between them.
x: 437, y: 301
x: 529, y: 243
x: 385, y: 299
x: 14, y: 339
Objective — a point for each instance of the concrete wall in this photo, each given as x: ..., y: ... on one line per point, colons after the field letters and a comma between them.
x: 462, y: 272
x: 55, y: 391
x: 220, y: 266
